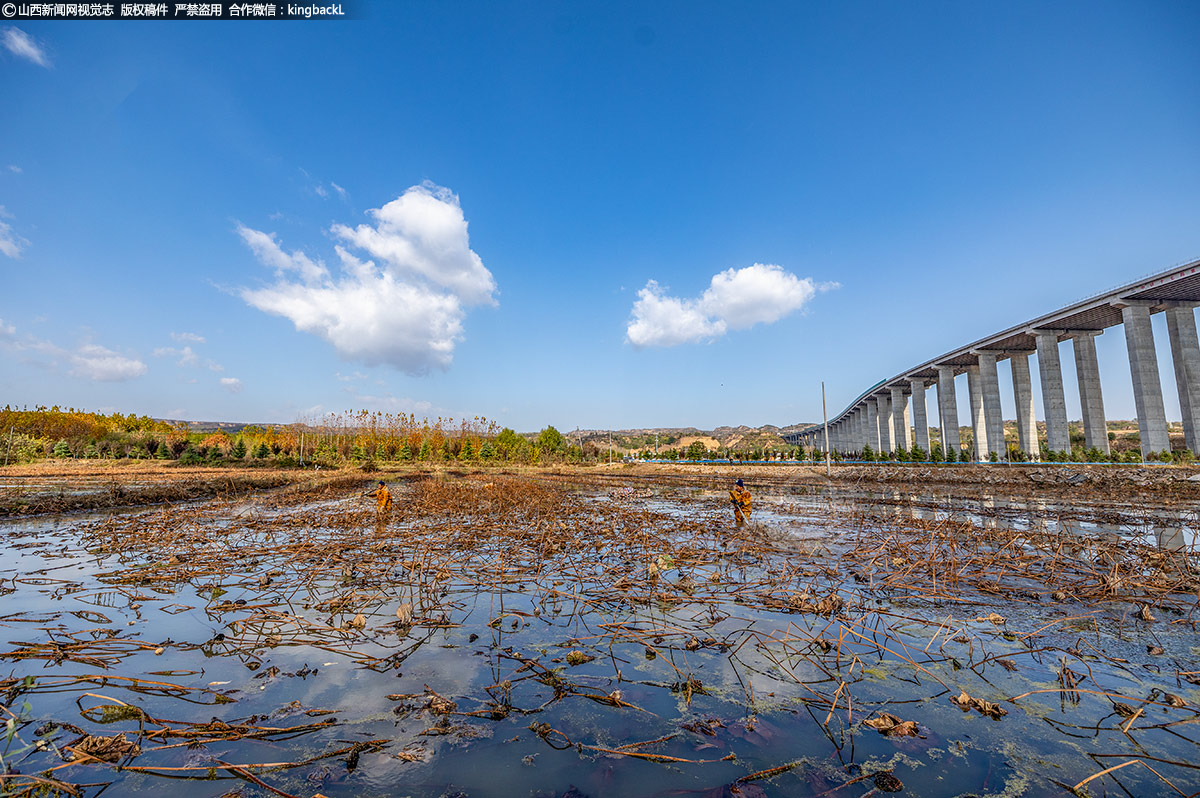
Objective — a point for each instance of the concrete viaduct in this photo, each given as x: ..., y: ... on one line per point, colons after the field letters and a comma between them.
x: 887, y: 415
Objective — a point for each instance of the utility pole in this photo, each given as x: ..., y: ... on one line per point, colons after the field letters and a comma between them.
x: 825, y: 414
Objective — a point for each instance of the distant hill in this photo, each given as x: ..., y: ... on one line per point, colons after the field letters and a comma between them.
x: 217, y: 426
x: 767, y: 436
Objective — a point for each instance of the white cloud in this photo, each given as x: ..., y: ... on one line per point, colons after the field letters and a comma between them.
x: 407, y: 310
x: 231, y: 384
x: 16, y: 170
x: 660, y: 320
x: 187, y: 336
x: 736, y: 299
x: 267, y: 250
x: 395, y: 404
x: 88, y: 360
x: 423, y: 234
x: 321, y: 192
x: 758, y: 294
x: 186, y: 356
x: 22, y: 45
x: 98, y: 363
x: 11, y: 244
x: 341, y: 191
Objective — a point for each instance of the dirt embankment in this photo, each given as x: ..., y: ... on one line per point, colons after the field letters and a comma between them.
x: 1162, y: 483
x: 67, y: 486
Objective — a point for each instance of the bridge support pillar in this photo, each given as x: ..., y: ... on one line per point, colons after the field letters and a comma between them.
x: 1185, y: 353
x: 1147, y: 388
x: 920, y: 414
x: 1054, y: 401
x: 873, y: 423
x: 1091, y: 398
x: 948, y: 410
x: 989, y: 385
x: 978, y: 426
x: 1023, y: 392
x: 885, y: 424
x: 900, y: 432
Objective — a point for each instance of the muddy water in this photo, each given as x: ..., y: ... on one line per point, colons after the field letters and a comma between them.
x: 720, y: 712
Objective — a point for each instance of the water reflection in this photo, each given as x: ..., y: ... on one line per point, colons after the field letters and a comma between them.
x: 1163, y: 523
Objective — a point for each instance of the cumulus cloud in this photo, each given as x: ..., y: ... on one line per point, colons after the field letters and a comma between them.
x: 423, y: 234
x: 736, y: 299
x: 11, y: 244
x: 660, y: 320
x: 187, y: 336
x: 231, y: 384
x: 405, y: 308
x: 758, y: 294
x: 22, y: 45
x: 88, y: 360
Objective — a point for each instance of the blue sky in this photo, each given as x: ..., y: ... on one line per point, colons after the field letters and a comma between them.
x: 779, y: 193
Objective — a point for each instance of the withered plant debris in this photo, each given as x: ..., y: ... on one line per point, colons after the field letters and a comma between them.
x: 537, y: 575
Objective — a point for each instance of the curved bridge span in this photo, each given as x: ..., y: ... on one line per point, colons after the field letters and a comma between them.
x: 886, y: 416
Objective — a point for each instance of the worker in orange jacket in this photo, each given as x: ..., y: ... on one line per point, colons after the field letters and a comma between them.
x: 739, y: 497
x: 383, y: 500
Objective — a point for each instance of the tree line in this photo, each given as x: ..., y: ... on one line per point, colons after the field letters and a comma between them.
x: 333, y: 439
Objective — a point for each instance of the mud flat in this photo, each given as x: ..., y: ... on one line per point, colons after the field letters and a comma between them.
x: 600, y: 632
x: 60, y: 486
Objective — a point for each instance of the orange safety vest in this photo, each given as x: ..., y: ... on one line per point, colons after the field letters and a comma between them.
x: 383, y: 499
x: 741, y: 499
